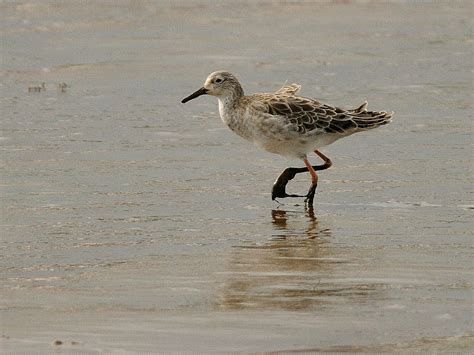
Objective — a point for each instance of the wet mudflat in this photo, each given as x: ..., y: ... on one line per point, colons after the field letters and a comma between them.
x: 131, y: 222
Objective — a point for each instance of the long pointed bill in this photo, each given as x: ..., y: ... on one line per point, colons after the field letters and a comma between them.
x: 201, y: 91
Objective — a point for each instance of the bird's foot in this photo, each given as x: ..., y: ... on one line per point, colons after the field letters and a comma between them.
x: 279, y: 187
x: 310, y: 195
x: 278, y: 191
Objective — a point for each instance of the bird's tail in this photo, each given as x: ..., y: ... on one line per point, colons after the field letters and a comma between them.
x: 370, y: 119
x: 361, y: 108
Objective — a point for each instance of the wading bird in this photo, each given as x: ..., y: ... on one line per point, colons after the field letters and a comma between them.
x: 286, y: 124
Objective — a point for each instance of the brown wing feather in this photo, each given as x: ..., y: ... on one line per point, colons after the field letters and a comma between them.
x: 308, y: 116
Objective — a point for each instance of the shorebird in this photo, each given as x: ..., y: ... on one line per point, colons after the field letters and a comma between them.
x: 62, y: 87
x: 37, y: 88
x: 287, y: 124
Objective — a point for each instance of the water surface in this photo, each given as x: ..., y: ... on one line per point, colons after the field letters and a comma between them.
x: 131, y: 222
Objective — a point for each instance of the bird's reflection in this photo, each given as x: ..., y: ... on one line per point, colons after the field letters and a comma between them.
x: 285, y: 271
x: 280, y: 220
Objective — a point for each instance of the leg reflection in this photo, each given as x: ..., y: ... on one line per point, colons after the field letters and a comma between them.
x: 284, y: 272
x: 280, y: 221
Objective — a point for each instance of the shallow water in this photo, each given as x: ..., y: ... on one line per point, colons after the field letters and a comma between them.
x: 131, y: 222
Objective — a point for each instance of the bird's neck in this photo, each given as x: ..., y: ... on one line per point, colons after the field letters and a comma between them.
x: 229, y: 102
x: 232, y: 97
x: 232, y: 113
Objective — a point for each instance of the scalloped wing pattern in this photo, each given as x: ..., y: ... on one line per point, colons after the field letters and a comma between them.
x: 308, y: 116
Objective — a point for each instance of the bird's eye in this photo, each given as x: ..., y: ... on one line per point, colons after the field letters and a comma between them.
x: 218, y: 80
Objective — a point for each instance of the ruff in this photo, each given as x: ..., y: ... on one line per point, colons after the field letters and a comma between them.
x: 286, y: 124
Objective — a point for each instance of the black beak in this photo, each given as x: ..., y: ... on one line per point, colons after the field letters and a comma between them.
x: 201, y: 91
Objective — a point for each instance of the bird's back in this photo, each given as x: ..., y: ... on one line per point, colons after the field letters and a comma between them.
x: 308, y: 116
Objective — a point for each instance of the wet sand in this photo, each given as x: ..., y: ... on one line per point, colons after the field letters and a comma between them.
x: 131, y: 222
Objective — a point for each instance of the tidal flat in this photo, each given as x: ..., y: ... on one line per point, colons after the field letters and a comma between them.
x: 133, y: 223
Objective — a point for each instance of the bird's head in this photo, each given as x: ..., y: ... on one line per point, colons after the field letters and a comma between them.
x: 220, y: 84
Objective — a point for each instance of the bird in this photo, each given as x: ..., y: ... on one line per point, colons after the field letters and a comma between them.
x: 62, y: 87
x: 37, y: 88
x: 287, y: 124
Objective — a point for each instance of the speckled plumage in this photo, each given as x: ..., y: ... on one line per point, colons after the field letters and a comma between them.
x: 287, y: 124
x: 284, y: 123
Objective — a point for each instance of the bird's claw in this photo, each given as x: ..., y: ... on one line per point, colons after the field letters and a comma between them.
x: 279, y: 187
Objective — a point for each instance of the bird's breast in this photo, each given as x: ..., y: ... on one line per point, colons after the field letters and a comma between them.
x: 236, y: 121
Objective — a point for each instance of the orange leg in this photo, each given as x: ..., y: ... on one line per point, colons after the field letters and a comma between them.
x: 278, y: 190
x: 327, y: 161
x: 314, y: 177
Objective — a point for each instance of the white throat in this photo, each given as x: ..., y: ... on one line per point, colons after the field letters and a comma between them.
x: 234, y: 117
x: 225, y: 108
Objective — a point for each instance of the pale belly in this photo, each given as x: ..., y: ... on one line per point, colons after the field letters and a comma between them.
x: 269, y: 135
x: 296, y: 147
